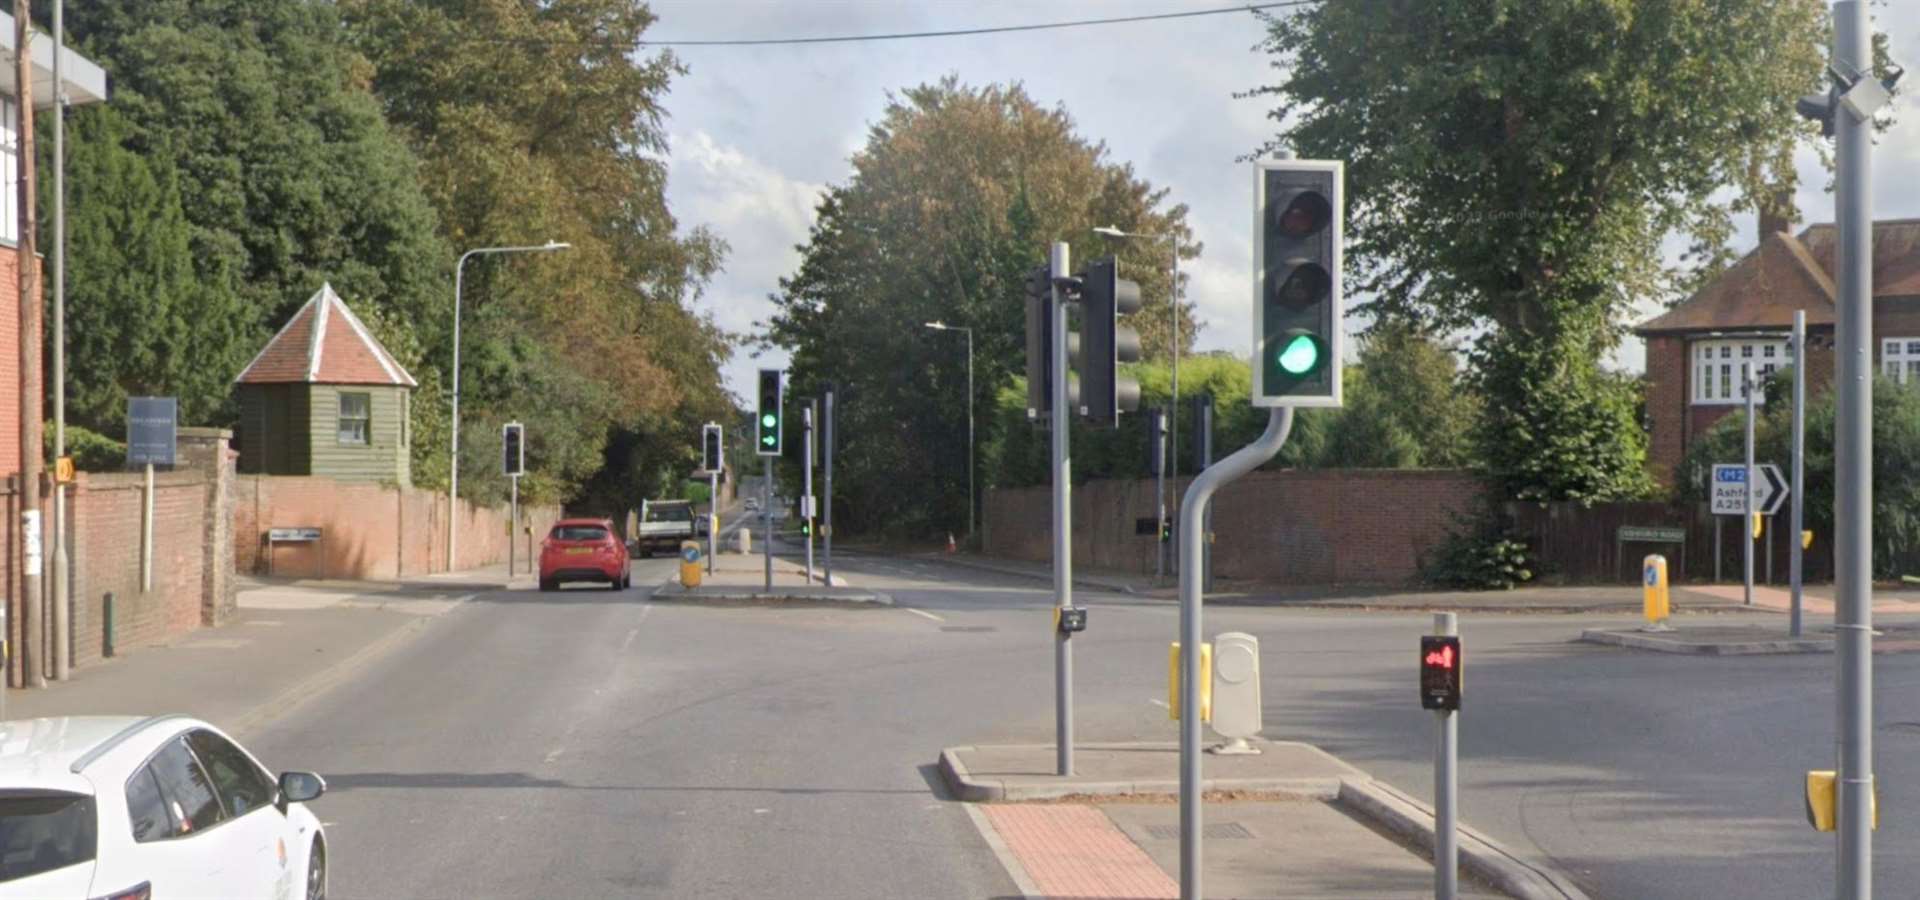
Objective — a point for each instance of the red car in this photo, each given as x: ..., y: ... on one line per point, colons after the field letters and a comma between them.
x: 583, y: 550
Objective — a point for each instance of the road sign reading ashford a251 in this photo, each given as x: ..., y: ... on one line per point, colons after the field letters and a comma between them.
x: 1729, y: 489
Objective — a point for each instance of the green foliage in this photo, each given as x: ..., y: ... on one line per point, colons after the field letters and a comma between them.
x: 91, y: 451
x: 954, y: 197
x: 1406, y: 407
x: 1481, y: 552
x: 1896, y: 463
x: 1513, y: 169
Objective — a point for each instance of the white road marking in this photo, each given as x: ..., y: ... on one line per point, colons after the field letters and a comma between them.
x: 923, y: 613
x: 1158, y: 702
x: 630, y: 636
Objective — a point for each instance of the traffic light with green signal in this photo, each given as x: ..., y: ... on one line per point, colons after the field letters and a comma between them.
x: 767, y: 419
x: 1297, y: 309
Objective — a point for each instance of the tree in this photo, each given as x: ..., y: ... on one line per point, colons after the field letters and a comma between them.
x: 1896, y: 462
x: 1514, y: 167
x: 956, y: 195
x: 539, y: 122
x: 1406, y: 406
x: 237, y: 143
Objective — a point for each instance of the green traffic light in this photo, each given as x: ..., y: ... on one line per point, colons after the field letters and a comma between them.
x: 1300, y: 355
x: 768, y: 420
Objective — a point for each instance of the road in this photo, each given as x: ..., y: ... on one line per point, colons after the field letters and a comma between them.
x: 591, y: 743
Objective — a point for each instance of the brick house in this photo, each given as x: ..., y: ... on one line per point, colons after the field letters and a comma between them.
x: 324, y: 398
x: 1697, y: 350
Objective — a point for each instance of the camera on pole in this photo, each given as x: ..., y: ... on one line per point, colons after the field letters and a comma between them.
x: 1297, y: 309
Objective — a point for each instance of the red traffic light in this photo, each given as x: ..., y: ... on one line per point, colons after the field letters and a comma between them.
x: 1440, y: 672
x: 1442, y: 658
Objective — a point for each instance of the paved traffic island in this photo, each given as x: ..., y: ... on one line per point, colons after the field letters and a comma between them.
x: 1292, y: 820
x: 1749, y: 640
x: 741, y: 580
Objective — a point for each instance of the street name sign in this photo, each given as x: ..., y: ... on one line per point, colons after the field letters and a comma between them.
x: 1729, y: 489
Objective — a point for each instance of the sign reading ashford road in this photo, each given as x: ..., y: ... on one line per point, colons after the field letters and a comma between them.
x: 1729, y: 489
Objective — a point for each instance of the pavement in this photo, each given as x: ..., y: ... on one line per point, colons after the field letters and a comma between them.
x: 744, y: 578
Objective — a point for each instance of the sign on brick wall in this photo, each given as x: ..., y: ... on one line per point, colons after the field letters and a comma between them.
x: 151, y: 424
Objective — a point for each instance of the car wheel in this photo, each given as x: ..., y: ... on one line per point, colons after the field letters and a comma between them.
x: 317, y: 872
x: 548, y: 585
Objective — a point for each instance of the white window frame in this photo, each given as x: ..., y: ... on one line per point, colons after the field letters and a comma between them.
x: 362, y: 435
x: 1714, y: 367
x: 9, y: 173
x: 1900, y: 359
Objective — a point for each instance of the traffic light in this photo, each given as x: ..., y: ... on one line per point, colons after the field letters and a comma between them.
x: 1039, y: 342
x: 1440, y: 666
x: 1297, y: 310
x: 713, y: 457
x: 1104, y: 297
x: 768, y: 418
x: 513, y: 449
x: 1157, y: 442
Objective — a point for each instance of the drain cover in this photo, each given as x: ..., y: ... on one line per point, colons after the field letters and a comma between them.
x: 969, y: 629
x: 1219, y: 831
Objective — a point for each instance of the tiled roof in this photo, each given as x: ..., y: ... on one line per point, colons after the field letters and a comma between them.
x: 1788, y: 272
x: 324, y: 343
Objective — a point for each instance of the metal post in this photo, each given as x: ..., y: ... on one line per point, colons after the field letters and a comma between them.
x: 62, y: 605
x: 1062, y: 522
x: 1746, y: 516
x: 453, y: 459
x: 1192, y: 533
x: 1794, y: 550
x: 1203, y: 423
x: 713, y: 518
x: 766, y: 519
x: 1718, y: 521
x: 1446, y: 787
x: 146, y: 535
x: 33, y: 641
x: 1853, y: 462
x: 1157, y: 434
x: 513, y: 523
x: 972, y: 499
x: 806, y: 482
x: 1173, y: 407
x: 826, y: 529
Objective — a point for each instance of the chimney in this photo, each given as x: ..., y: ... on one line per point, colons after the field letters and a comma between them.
x: 1777, y: 213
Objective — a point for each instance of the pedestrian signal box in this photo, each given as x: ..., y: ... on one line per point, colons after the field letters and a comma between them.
x: 1440, y: 672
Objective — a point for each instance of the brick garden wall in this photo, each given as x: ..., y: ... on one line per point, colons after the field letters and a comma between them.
x: 1351, y: 526
x: 370, y: 531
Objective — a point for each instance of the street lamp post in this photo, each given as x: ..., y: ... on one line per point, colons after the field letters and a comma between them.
x: 1173, y: 408
x: 942, y: 326
x: 453, y: 463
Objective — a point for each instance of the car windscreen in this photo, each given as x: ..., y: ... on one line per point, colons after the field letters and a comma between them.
x: 44, y: 830
x: 579, y: 533
x: 669, y: 513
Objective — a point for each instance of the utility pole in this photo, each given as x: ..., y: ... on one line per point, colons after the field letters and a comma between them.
x: 806, y: 481
x: 1794, y: 550
x: 1853, y: 460
x: 32, y: 462
x: 62, y: 610
x: 826, y: 527
x: 1061, y: 264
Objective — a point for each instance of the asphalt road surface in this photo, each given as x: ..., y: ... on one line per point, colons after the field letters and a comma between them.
x: 591, y: 743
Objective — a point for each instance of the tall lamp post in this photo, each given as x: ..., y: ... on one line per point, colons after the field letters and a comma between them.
x: 453, y: 463
x: 942, y: 326
x: 1173, y: 408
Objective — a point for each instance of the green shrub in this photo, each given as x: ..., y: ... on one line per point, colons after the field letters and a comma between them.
x: 1481, y: 552
x: 91, y: 450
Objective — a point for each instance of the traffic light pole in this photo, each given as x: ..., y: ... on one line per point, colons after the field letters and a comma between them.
x: 713, y: 517
x: 1853, y: 463
x: 766, y: 519
x: 1192, y: 539
x: 826, y: 529
x: 806, y: 484
x: 1746, y: 521
x: 1446, y: 786
x: 1795, y: 552
x: 1062, y: 520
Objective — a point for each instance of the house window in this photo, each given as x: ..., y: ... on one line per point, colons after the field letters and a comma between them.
x: 356, y: 415
x: 1900, y: 359
x: 1718, y: 367
x: 9, y: 172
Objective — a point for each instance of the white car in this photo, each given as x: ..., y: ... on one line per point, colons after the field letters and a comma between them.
x: 129, y: 808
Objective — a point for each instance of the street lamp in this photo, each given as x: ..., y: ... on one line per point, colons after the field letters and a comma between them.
x: 453, y: 464
x: 942, y: 326
x: 1173, y: 410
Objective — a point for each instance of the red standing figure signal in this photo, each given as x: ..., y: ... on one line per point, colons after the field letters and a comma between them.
x: 1440, y: 666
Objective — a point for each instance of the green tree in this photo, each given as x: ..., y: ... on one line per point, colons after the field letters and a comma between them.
x: 1896, y: 463
x: 260, y: 150
x: 955, y: 196
x: 1406, y: 406
x: 540, y: 122
x: 1514, y: 167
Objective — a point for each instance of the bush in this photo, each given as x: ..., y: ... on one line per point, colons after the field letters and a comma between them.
x: 91, y: 450
x: 1481, y: 552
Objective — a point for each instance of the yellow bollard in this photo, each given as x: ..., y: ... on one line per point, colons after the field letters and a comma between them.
x: 689, y: 564
x: 1206, y: 682
x: 1653, y: 593
x: 1759, y: 526
x: 1806, y: 539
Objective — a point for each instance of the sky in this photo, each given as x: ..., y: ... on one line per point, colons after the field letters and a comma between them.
x: 758, y: 133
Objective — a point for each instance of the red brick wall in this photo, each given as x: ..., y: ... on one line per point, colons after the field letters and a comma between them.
x: 1351, y: 526
x: 107, y: 548
x: 370, y: 531
x: 1667, y: 403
